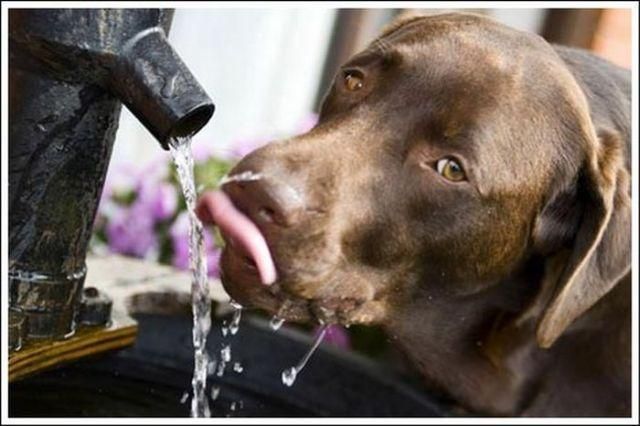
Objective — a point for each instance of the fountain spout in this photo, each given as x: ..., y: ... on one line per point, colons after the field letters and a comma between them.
x: 157, y: 87
x: 69, y: 72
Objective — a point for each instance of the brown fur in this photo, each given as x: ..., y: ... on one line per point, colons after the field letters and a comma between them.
x: 509, y: 291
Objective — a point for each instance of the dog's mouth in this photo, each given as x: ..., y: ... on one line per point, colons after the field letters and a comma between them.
x: 241, y: 279
x: 238, y: 230
x: 254, y: 276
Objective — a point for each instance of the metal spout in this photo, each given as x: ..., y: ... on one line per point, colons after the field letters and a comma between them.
x: 69, y: 71
x: 156, y: 86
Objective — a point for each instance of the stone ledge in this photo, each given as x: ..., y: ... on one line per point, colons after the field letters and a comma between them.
x: 122, y: 277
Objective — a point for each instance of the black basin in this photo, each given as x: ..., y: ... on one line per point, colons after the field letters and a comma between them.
x: 150, y: 379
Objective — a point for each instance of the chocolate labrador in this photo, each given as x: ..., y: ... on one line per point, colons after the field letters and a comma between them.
x: 468, y: 188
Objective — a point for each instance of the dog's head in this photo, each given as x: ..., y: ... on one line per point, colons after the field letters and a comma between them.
x: 447, y: 154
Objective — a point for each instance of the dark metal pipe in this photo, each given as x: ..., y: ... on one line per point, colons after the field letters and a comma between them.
x: 69, y: 71
x: 157, y: 87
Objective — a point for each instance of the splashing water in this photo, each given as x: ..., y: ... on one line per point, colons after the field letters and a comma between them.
x: 211, y: 368
x: 277, y: 320
x: 215, y: 391
x: 240, y: 177
x: 289, y: 375
x: 201, y: 303
x: 221, y: 366
x: 203, y: 366
x: 234, y: 325
x: 276, y: 323
x: 225, y: 353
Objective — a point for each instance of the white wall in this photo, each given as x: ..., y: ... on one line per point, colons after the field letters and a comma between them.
x: 261, y: 67
x: 522, y: 19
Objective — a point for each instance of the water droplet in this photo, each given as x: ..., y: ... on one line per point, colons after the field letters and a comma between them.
x: 235, y: 322
x: 237, y: 367
x: 276, y: 323
x: 169, y: 86
x: 240, y: 177
x: 185, y: 395
x: 221, y: 367
x: 289, y: 376
x: 215, y: 391
x: 211, y: 368
x: 225, y: 353
x: 235, y: 305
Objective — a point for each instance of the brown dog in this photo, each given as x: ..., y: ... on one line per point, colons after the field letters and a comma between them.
x: 467, y: 187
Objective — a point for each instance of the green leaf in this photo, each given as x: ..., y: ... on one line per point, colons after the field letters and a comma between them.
x: 209, y: 173
x: 125, y: 197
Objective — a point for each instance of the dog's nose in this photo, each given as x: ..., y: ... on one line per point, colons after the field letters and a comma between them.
x: 267, y: 200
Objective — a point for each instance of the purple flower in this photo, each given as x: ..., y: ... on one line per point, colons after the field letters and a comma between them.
x: 202, y: 151
x: 130, y: 232
x: 336, y: 335
x: 181, y: 253
x: 157, y: 169
x: 160, y: 199
x: 213, y: 261
x: 120, y: 177
x: 123, y: 178
x: 179, y: 234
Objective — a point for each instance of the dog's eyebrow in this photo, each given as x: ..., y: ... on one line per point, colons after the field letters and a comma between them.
x: 378, y: 51
x: 368, y: 56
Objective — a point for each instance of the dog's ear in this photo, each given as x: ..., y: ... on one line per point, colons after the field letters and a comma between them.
x: 591, y: 217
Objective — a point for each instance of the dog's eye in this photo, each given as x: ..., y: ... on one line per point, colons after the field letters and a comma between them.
x: 353, y: 80
x: 450, y: 169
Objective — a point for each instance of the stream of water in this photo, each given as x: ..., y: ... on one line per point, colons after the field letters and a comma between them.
x: 201, y: 303
x: 289, y: 375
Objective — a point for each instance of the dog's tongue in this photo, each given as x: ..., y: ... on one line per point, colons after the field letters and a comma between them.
x: 235, y: 225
